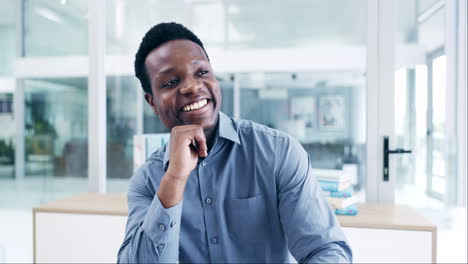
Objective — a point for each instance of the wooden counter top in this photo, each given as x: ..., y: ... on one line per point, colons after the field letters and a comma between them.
x: 88, y: 203
x: 387, y: 216
x: 371, y: 215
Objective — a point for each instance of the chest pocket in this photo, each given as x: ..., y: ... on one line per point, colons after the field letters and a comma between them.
x: 247, y: 219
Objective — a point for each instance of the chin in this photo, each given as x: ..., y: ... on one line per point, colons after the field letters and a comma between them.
x: 208, y: 125
x: 209, y: 122
x: 206, y: 121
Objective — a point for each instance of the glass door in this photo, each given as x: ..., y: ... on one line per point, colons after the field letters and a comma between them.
x: 419, y: 113
x: 436, y: 136
x: 417, y: 119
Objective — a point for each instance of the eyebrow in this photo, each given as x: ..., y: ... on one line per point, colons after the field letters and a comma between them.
x: 171, y: 69
x: 196, y: 61
x: 166, y: 70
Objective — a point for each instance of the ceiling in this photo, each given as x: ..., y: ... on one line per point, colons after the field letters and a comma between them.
x: 7, y: 12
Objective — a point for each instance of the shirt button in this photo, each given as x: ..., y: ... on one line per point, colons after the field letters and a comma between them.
x: 203, y: 163
x: 208, y: 200
x: 173, y: 223
x: 214, y: 240
x: 162, y: 227
x: 160, y: 248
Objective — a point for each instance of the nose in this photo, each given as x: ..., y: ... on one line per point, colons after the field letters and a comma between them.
x: 191, y: 85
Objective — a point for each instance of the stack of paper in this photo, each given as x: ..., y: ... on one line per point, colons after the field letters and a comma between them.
x: 337, y: 186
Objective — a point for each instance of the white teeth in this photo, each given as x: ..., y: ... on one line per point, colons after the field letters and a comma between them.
x: 194, y: 106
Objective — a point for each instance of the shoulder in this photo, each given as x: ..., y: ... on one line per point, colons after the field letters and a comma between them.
x: 249, y: 128
x: 275, y: 147
x: 148, y: 176
x: 268, y: 141
x: 157, y: 157
x: 255, y: 133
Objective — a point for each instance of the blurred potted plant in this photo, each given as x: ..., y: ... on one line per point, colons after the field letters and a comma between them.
x: 41, y: 135
x: 7, y: 151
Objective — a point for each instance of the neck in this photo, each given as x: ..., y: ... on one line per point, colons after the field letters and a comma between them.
x: 210, y: 135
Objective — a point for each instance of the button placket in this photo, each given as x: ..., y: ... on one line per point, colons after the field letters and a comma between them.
x: 208, y: 200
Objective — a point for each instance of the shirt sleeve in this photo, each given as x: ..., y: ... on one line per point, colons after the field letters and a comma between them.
x: 152, y: 231
x: 313, y: 232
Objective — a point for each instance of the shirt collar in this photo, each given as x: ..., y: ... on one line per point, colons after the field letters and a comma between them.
x: 226, y: 129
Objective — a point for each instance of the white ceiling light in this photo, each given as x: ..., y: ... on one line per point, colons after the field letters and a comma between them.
x: 119, y: 19
x: 233, y: 10
x: 49, y: 14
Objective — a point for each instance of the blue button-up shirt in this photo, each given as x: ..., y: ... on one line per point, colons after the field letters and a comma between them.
x: 253, y: 199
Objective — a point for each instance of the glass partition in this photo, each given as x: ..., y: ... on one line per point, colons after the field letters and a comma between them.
x: 7, y: 136
x: 241, y: 24
x: 325, y: 112
x: 122, y: 111
x: 7, y: 36
x: 56, y: 138
x: 55, y: 28
x: 128, y: 21
x: 55, y: 108
x: 7, y: 56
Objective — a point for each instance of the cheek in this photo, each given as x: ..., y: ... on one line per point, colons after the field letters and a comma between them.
x: 218, y: 95
x: 164, y: 102
x: 215, y: 89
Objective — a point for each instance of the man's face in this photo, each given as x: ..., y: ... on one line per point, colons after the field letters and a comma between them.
x: 185, y: 90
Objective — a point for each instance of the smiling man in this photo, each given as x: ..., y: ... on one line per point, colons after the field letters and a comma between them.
x: 222, y: 190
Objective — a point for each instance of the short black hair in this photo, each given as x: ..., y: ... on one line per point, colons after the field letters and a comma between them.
x: 155, y: 37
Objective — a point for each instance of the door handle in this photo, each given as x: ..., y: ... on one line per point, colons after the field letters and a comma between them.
x: 387, y: 152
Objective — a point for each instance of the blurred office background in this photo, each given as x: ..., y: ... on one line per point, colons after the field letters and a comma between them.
x: 298, y: 66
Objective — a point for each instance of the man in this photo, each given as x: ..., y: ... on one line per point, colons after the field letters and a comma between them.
x: 221, y: 190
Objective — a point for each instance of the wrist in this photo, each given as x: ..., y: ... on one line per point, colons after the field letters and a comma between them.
x: 175, y: 176
x: 171, y: 190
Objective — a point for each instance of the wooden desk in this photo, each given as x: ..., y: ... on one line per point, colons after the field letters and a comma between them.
x: 63, y: 228
x: 86, y: 227
x: 390, y: 233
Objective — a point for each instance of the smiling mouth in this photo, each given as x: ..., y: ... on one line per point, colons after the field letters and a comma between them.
x: 195, y: 106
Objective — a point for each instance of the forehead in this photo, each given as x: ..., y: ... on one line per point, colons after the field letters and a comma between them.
x: 172, y: 53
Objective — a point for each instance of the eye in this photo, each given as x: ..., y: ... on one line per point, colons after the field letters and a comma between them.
x: 202, y: 72
x: 170, y: 83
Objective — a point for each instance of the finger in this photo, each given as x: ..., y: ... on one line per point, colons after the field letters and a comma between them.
x: 201, y: 143
x: 193, y: 149
x: 192, y: 144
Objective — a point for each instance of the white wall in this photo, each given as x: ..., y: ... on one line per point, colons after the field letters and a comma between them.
x: 16, y: 236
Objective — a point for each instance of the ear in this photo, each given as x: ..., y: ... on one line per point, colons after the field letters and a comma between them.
x: 150, y: 100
